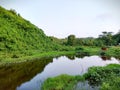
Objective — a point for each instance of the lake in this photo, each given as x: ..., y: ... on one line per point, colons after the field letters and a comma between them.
x: 31, y: 75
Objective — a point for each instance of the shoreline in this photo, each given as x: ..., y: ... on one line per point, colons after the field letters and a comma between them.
x: 111, y: 52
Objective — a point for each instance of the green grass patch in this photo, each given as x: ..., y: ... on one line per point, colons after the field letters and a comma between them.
x: 113, y: 51
x: 62, y: 82
x: 16, y: 57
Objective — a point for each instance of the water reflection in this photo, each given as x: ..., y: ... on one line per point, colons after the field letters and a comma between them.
x: 105, y: 58
x: 77, y: 55
x: 14, y: 75
x: 64, y: 65
x: 85, y: 86
x: 30, y: 75
x: 71, y: 57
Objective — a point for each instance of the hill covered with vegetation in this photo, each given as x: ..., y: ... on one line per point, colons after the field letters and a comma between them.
x: 17, y: 33
x: 20, y: 38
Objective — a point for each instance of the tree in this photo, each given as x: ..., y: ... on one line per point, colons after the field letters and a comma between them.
x: 71, y: 40
x: 106, y: 38
x: 109, y: 38
x: 116, y: 38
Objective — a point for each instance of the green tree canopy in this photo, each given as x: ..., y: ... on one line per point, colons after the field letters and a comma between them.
x: 71, y: 40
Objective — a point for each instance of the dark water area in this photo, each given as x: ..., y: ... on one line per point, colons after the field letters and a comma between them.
x: 13, y: 75
x: 31, y: 75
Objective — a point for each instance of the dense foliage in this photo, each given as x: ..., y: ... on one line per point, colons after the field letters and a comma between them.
x: 62, y: 82
x: 105, y: 39
x: 106, y: 78
x: 17, y: 33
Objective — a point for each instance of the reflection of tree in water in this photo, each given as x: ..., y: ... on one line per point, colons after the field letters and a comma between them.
x: 71, y: 57
x: 13, y: 75
x: 57, y: 57
x: 105, y: 58
x: 118, y: 58
x: 80, y: 56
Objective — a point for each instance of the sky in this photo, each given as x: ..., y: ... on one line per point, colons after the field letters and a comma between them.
x: 60, y: 18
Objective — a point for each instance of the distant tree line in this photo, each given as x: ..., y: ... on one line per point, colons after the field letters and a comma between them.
x: 104, y: 39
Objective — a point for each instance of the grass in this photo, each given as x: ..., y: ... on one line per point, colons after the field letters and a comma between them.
x: 33, y: 55
x: 62, y: 82
x: 107, y: 77
x: 114, y: 51
x: 21, y: 56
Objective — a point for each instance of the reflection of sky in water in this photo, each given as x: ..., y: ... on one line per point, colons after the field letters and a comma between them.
x: 63, y: 65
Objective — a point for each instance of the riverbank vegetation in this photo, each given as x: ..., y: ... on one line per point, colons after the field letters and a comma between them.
x: 62, y: 82
x: 106, y: 78
x: 21, y: 56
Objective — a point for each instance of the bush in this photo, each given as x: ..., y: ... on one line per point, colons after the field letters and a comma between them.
x: 62, y: 82
x: 98, y: 75
x: 112, y: 84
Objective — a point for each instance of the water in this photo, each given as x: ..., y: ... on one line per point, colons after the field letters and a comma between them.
x: 63, y: 65
x: 31, y: 75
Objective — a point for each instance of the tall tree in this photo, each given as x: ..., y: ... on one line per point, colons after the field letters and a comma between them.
x: 106, y: 38
x: 116, y: 38
x: 71, y: 40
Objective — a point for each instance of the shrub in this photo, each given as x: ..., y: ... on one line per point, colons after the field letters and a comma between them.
x: 62, y: 82
x: 98, y: 75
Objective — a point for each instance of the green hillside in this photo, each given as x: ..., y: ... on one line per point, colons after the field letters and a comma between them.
x: 17, y: 33
x: 21, y: 39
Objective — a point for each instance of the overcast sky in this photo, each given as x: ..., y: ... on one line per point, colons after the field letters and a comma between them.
x: 60, y: 18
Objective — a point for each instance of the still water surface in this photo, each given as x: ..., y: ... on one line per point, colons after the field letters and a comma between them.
x: 65, y: 65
